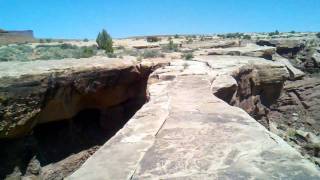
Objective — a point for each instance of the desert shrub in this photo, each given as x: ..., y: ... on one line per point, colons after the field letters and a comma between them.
x: 111, y: 55
x: 131, y: 52
x: 292, y: 32
x: 48, y: 40
x: 248, y: 37
x: 41, y: 40
x: 231, y: 35
x: 87, y: 52
x: 45, y: 52
x: 104, y: 41
x: 189, y: 40
x: 291, y: 132
x: 85, y: 40
x: 274, y: 33
x: 318, y: 34
x: 234, y: 35
x: 188, y: 56
x: 15, y: 53
x: 176, y: 36
x: 202, y: 38
x: 121, y: 47
x: 171, y: 46
x: 60, y: 41
x: 153, y: 39
x: 66, y: 46
x: 152, y: 54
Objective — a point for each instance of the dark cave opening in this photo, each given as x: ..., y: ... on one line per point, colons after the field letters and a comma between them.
x: 55, y: 141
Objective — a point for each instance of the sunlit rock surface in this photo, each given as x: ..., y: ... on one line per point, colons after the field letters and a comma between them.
x: 185, y: 132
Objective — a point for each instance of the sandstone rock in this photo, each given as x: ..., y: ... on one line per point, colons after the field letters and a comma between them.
x: 316, y: 58
x: 297, y: 108
x: 224, y: 87
x: 213, y: 44
x: 294, y: 72
x: 191, y: 130
x: 34, y: 167
x: 10, y: 37
x: 45, y: 91
x: 285, y: 47
x: 248, y: 50
x: 181, y: 132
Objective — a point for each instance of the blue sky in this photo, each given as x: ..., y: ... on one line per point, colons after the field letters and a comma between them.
x: 122, y: 18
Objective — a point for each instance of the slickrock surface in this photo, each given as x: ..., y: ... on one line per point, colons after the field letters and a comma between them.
x: 248, y: 50
x: 213, y: 44
x: 252, y: 50
x: 185, y: 132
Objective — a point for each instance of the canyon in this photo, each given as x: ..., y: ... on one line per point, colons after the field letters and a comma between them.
x: 237, y: 110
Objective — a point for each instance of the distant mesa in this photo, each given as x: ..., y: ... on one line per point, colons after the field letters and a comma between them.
x: 9, y: 37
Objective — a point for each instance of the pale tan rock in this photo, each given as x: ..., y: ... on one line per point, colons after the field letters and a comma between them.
x: 186, y: 132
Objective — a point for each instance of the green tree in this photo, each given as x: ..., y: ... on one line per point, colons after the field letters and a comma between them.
x: 318, y: 34
x: 104, y: 41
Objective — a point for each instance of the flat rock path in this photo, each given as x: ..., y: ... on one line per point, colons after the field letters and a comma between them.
x: 185, y: 132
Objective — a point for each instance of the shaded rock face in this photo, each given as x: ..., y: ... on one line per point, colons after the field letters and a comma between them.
x: 30, y: 100
x: 309, y: 60
x: 296, y: 111
x: 52, y: 122
x: 302, y: 53
x: 285, y: 47
x: 257, y: 88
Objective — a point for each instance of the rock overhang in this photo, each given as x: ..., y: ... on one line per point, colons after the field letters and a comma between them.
x: 43, y: 91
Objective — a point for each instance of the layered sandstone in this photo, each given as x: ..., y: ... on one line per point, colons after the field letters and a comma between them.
x: 185, y: 132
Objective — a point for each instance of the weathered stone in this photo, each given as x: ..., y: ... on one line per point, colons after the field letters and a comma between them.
x: 10, y: 37
x: 184, y: 132
x: 34, y: 167
x: 297, y: 110
x: 285, y: 47
x: 224, y: 87
x: 316, y: 58
x: 213, y: 44
x: 294, y: 72
x: 248, y: 50
x: 45, y: 91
